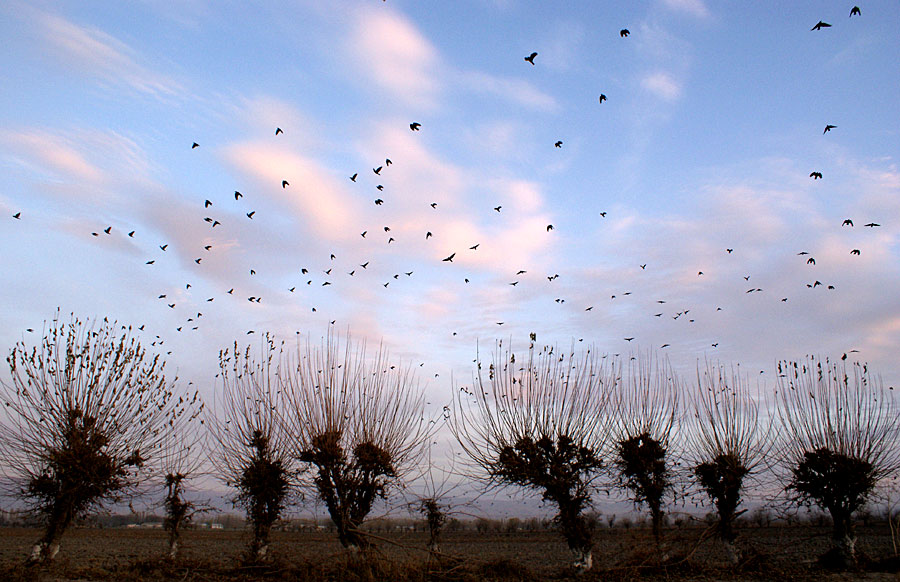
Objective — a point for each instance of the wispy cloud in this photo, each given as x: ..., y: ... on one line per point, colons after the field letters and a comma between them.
x: 662, y: 85
x: 390, y: 52
x: 693, y: 7
x: 515, y: 91
x: 102, y: 55
x: 88, y: 158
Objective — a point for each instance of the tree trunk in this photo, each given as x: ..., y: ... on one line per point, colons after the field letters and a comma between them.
x: 843, y: 537
x: 48, y: 546
x: 584, y: 559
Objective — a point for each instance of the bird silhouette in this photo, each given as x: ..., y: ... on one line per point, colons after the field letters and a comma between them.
x: 855, y: 11
x: 131, y: 234
x: 195, y: 145
x: 815, y: 175
x: 285, y: 183
x: 549, y: 227
x: 379, y: 202
x: 250, y: 214
x: 353, y: 177
x: 820, y: 25
x: 377, y: 170
x: 530, y: 58
x: 449, y: 259
x: 624, y: 32
x: 17, y: 215
x: 474, y: 247
x: 497, y: 208
x: 847, y: 222
x: 854, y: 252
x: 602, y: 97
x: 207, y: 204
x: 164, y: 247
x: 379, y: 187
x: 434, y: 205
x: 108, y: 230
x: 810, y: 261
x: 237, y: 195
x: 415, y: 125
x: 828, y: 128
x: 558, y: 144
x: 278, y: 131
x: 872, y: 224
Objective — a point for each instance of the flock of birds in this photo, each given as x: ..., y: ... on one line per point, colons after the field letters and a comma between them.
x: 207, y: 214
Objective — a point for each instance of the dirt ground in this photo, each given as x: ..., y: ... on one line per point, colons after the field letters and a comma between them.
x: 771, y: 553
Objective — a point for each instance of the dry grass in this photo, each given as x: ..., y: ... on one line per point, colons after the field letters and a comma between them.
x: 130, y: 555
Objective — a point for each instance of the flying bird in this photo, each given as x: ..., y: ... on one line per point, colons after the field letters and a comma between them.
x: 820, y: 25
x: 624, y: 32
x: 549, y: 227
x: 131, y: 234
x: 434, y: 205
x: 195, y: 145
x: 285, y: 183
x: 497, y: 208
x: 164, y: 247
x: 449, y: 259
x: 810, y: 261
x: 250, y: 214
x: 237, y: 195
x: 855, y: 11
x: 530, y: 58
x: 872, y: 224
x: 474, y: 247
x: 415, y: 125
x: 828, y: 128
x: 377, y: 170
x: 17, y: 215
x: 558, y: 144
x: 278, y: 131
x: 602, y: 97
x: 207, y: 204
x: 353, y: 177
x: 847, y: 222
x: 379, y: 202
x: 379, y: 187
x: 815, y: 175
x: 854, y: 252
x: 108, y: 230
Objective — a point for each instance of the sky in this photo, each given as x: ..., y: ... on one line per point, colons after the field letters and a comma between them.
x: 680, y: 205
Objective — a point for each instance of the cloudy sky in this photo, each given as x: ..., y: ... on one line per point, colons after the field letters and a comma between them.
x: 698, y: 161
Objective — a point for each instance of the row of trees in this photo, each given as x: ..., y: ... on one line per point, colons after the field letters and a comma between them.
x: 555, y: 422
x: 88, y: 415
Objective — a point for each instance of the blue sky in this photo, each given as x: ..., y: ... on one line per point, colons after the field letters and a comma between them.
x: 714, y: 121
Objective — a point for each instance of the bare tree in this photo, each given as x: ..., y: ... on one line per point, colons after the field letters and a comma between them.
x: 729, y: 442
x: 85, y: 411
x: 180, y: 460
x: 647, y: 403
x: 840, y: 429
x: 253, y: 452
x: 543, y: 424
x: 358, y: 425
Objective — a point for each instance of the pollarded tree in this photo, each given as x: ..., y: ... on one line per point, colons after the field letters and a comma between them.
x: 840, y: 429
x: 647, y: 399
x: 359, y: 427
x: 542, y: 424
x: 253, y: 452
x: 180, y: 460
x: 85, y: 411
x: 729, y: 441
